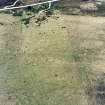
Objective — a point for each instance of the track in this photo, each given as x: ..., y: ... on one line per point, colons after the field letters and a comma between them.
x: 11, y: 7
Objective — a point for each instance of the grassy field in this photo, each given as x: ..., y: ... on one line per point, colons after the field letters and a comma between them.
x: 60, y: 62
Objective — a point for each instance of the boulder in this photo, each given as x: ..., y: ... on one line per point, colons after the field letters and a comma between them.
x: 90, y: 7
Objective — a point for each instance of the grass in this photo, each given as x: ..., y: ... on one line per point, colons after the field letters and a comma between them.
x: 37, y: 65
x: 51, y: 64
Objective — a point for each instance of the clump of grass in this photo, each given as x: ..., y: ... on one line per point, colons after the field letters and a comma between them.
x: 25, y: 21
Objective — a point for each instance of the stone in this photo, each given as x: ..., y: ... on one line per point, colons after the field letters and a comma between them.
x: 90, y: 7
